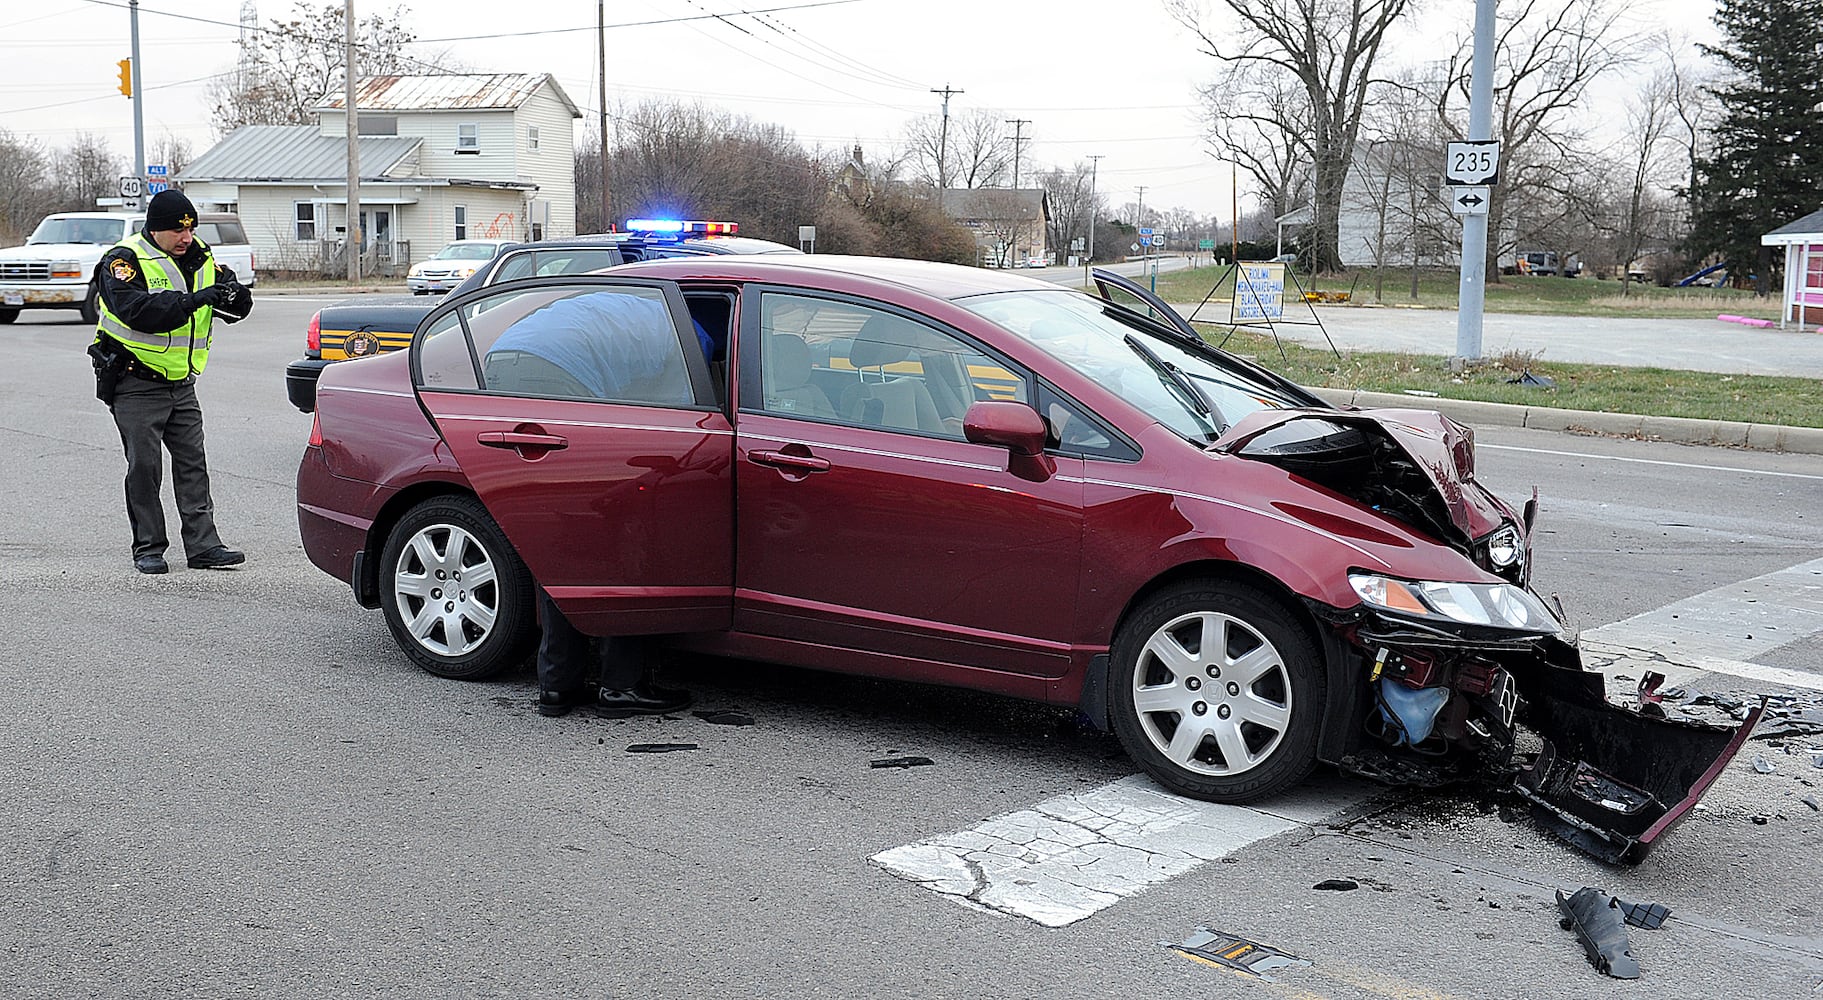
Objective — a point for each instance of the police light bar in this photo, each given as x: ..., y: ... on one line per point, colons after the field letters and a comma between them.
x: 678, y: 226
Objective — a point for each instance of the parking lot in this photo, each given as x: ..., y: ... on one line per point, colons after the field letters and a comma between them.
x: 233, y: 784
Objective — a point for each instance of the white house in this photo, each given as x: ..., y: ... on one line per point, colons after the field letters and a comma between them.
x: 1803, y: 295
x: 446, y: 157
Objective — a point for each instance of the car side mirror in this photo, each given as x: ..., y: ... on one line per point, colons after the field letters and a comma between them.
x: 1016, y: 427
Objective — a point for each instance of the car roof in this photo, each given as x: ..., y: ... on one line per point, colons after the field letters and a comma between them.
x: 945, y: 281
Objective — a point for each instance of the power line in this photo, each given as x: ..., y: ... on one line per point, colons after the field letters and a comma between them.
x: 626, y: 24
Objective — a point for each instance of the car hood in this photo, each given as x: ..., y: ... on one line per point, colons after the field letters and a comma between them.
x: 52, y: 251
x: 1415, y: 464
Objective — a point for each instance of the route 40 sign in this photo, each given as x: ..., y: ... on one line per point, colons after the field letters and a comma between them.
x: 1472, y: 163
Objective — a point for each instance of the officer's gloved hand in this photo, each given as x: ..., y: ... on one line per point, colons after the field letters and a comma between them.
x: 214, y: 295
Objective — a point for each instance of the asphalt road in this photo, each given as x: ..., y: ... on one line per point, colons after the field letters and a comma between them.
x: 232, y: 784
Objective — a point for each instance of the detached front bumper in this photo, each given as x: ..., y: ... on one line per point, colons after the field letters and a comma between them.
x: 1607, y: 779
x: 1613, y: 781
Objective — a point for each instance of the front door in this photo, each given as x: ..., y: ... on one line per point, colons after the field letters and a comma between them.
x: 868, y: 521
x: 582, y: 414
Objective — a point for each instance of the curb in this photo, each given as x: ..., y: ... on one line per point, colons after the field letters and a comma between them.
x: 1679, y: 430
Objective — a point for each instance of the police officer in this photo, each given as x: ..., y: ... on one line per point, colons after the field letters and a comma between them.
x: 160, y: 293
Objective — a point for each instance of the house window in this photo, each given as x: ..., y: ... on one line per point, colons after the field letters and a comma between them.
x: 537, y: 231
x: 304, y: 219
x: 1813, y: 269
x: 462, y: 222
x: 468, y: 138
x: 531, y: 138
x: 377, y: 125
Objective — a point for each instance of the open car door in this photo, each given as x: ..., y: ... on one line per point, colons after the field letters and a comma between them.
x: 583, y: 414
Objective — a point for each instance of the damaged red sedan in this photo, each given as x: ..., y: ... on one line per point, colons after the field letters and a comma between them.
x: 979, y: 479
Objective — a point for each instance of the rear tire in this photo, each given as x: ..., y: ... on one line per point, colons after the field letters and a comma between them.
x: 8, y: 315
x: 457, y: 598
x: 1239, y: 670
x: 91, y: 305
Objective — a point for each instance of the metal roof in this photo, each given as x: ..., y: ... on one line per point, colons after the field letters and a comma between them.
x: 448, y: 92
x: 1023, y: 204
x: 295, y: 153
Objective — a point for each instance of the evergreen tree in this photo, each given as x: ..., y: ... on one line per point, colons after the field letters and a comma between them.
x: 1765, y: 167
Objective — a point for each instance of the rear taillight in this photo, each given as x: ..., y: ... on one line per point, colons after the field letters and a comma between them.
x: 313, y: 335
x: 316, y: 431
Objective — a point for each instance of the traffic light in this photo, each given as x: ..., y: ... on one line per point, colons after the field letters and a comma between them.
x: 126, y: 77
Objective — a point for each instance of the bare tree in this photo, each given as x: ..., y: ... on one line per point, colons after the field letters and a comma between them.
x: 1329, y: 47
x: 1068, y: 194
x: 977, y: 151
x: 1547, y: 55
x: 1652, y: 125
x: 85, y: 171
x: 172, y: 151
x: 290, y: 65
x: 1261, y: 122
x: 24, y: 186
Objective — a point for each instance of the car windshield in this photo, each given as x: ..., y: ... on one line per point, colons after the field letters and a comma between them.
x: 77, y: 231
x: 1188, y: 391
x: 468, y: 251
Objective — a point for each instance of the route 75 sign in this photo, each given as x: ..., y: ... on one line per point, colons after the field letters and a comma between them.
x: 1472, y: 163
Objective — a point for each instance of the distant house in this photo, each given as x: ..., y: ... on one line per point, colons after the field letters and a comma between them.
x: 1803, y: 243
x: 1009, y: 225
x: 445, y: 157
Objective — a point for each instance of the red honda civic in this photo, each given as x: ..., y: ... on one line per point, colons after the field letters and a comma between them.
x: 973, y: 478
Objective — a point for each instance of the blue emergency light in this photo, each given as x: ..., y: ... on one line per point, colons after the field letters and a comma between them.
x: 679, y: 226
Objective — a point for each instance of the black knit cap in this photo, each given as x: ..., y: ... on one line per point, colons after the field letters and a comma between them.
x: 170, y: 210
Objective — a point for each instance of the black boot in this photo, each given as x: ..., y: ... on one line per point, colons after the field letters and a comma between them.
x: 643, y: 698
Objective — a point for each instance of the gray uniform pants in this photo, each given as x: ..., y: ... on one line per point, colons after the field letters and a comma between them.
x: 152, y: 417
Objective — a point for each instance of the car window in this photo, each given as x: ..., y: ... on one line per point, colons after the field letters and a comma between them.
x: 1073, y: 430
x: 444, y: 361
x: 868, y: 367
x: 1194, y: 392
x: 610, y: 344
x: 543, y: 263
x: 222, y: 233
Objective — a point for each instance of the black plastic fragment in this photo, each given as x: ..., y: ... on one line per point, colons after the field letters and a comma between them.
x: 1596, y: 918
x: 1646, y: 916
x: 1525, y: 377
x: 1337, y: 885
x: 901, y: 762
x: 724, y: 717
x: 660, y: 747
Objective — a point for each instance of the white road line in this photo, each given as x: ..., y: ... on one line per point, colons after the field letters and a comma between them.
x: 1647, y: 461
x: 1068, y: 857
x: 1720, y: 630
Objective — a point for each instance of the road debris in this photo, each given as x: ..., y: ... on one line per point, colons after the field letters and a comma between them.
x: 724, y: 717
x: 1337, y: 885
x: 1229, y: 951
x: 1762, y: 765
x: 661, y: 747
x: 901, y: 762
x: 1649, y: 916
x: 1596, y: 918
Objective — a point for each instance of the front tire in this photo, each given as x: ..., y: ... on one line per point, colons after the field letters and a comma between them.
x: 1217, y: 691
x: 8, y: 316
x: 90, y: 309
x: 457, y: 597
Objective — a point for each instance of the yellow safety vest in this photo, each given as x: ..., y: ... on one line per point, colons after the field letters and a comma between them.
x: 179, y: 353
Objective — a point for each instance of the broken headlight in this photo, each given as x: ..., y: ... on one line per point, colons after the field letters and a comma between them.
x: 1501, y: 605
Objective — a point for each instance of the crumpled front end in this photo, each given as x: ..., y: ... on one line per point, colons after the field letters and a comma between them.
x: 1461, y: 677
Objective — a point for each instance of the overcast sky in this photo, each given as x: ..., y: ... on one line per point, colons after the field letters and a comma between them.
x: 1116, y: 79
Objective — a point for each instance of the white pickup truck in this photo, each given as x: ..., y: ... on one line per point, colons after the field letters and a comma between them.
x: 55, y: 269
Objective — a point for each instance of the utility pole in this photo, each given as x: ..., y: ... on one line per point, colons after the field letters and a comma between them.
x: 353, y: 122
x: 601, y: 71
x: 943, y: 143
x: 1473, y: 289
x: 1094, y: 168
x: 1140, y: 212
x: 139, y: 101
x: 1019, y: 125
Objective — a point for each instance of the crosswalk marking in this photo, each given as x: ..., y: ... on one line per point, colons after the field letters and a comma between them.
x: 1719, y: 631
x: 1070, y: 856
